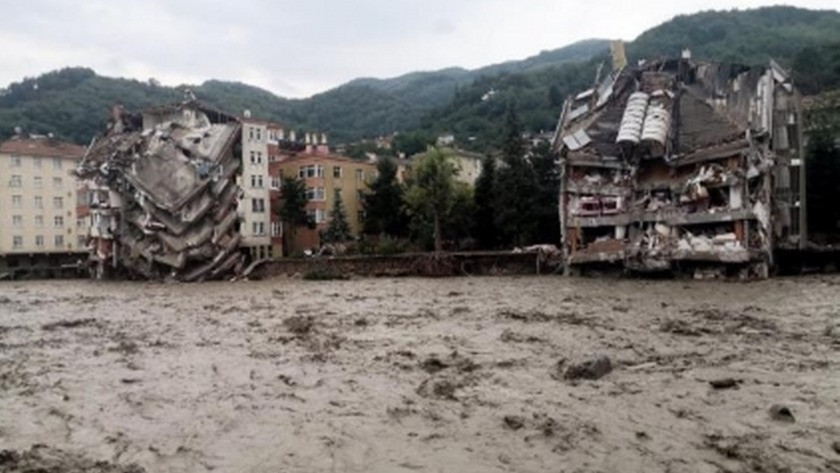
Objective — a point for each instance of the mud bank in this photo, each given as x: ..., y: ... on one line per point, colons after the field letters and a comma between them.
x: 411, y: 375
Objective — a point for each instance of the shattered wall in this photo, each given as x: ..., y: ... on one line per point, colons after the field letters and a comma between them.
x: 680, y: 165
x: 164, y: 195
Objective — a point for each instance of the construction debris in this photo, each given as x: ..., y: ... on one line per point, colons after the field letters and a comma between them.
x: 164, y: 194
x: 677, y: 164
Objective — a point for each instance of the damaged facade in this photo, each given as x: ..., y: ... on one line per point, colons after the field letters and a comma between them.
x: 677, y: 165
x: 163, y: 194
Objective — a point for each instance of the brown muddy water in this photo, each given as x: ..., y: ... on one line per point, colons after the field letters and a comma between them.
x: 420, y: 375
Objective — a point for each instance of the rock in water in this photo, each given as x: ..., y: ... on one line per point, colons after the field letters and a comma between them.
x: 592, y: 368
x: 781, y: 413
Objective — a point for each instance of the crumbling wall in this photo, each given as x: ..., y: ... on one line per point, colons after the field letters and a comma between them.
x: 164, y: 195
x: 680, y: 165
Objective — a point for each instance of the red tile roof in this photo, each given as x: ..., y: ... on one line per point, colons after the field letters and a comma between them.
x: 43, y: 147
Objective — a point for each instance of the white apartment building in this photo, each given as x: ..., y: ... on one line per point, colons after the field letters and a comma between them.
x: 255, y: 205
x: 39, y: 198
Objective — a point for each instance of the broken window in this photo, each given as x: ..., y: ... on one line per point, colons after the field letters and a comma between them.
x: 337, y: 172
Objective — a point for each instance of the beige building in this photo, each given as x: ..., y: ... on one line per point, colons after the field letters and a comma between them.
x: 40, y: 208
x: 324, y: 175
x: 467, y: 163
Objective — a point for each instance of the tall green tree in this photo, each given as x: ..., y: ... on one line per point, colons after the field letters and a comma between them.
x: 547, y: 173
x: 484, y: 220
x: 338, y: 230
x: 432, y: 192
x: 384, y: 205
x: 292, y: 211
x: 516, y: 199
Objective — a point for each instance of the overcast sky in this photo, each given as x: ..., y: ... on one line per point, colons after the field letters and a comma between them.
x: 298, y: 48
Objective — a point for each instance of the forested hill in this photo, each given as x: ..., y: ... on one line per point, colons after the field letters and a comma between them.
x: 74, y: 103
x: 805, y: 41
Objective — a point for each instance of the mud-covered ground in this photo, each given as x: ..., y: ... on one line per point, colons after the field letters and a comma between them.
x: 451, y: 375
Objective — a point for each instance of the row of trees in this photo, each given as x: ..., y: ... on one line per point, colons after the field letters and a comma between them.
x: 514, y: 202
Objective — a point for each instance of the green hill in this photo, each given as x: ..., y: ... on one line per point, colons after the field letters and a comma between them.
x: 74, y: 103
x: 806, y: 41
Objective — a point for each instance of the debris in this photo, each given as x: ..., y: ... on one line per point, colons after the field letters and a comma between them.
x: 781, y: 413
x: 681, y: 169
x: 592, y: 368
x: 432, y: 365
x: 68, y: 324
x: 43, y: 458
x: 163, y: 195
x: 513, y: 422
x: 299, y: 325
x: 725, y: 383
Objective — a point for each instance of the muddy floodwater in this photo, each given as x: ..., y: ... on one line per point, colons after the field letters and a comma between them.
x: 421, y: 375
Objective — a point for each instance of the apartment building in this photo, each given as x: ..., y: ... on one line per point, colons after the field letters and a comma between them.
x: 39, y: 199
x: 254, y: 211
x: 468, y: 165
x: 324, y: 174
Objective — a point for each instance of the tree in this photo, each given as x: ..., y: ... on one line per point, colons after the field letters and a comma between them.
x: 432, y: 193
x: 484, y: 223
x: 338, y: 229
x: 517, y: 188
x: 384, y: 205
x: 547, y: 174
x: 293, y: 209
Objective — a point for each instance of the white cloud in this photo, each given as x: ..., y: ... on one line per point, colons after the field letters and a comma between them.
x: 296, y: 48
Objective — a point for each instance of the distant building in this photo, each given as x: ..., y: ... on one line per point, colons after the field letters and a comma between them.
x: 446, y: 140
x: 324, y: 174
x: 41, y: 208
x: 468, y: 163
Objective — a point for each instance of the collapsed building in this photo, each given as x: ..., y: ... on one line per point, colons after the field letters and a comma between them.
x: 682, y: 166
x: 163, y: 194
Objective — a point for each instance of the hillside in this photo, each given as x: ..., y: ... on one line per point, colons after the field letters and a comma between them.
x: 74, y: 103
x: 806, y: 41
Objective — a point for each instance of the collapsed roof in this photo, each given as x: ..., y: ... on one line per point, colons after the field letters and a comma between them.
x: 164, y: 194
x: 664, y: 161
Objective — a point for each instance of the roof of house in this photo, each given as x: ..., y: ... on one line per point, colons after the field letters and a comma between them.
x: 295, y: 157
x: 42, y: 147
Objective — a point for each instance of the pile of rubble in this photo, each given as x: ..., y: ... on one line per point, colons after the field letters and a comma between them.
x: 163, y: 194
x: 679, y: 164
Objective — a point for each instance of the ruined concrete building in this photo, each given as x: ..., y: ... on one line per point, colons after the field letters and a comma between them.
x: 164, y: 194
x: 682, y: 166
